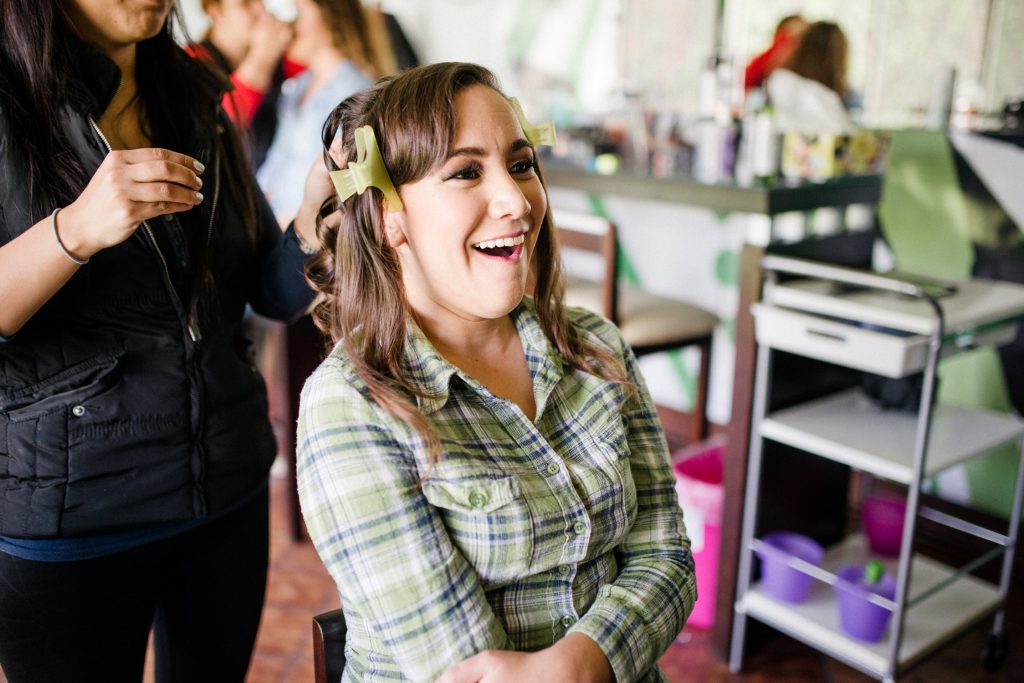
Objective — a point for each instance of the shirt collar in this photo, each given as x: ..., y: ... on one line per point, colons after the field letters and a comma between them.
x: 431, y: 375
x: 426, y: 369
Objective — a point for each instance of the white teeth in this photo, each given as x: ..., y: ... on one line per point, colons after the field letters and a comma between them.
x: 501, y: 242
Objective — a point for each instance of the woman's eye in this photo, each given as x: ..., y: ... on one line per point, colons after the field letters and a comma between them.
x: 468, y: 172
x: 523, y: 166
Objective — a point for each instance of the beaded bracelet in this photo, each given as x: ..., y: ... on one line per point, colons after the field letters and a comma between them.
x: 304, y: 246
x: 60, y: 245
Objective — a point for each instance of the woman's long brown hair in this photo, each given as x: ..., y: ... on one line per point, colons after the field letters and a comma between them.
x: 821, y: 56
x: 362, y: 300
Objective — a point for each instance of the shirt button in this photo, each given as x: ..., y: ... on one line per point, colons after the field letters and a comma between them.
x: 78, y: 411
x: 568, y: 621
x: 477, y: 499
x: 563, y: 569
x: 579, y: 527
x: 168, y: 217
x: 553, y: 468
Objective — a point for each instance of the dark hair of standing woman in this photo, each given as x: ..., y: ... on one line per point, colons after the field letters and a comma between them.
x: 357, y: 273
x: 40, y: 52
x: 821, y: 56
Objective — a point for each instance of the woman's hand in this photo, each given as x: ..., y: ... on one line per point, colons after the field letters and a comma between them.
x: 574, y: 658
x: 270, y: 38
x: 316, y: 191
x: 130, y: 186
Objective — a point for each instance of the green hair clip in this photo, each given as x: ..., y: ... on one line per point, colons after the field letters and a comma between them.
x: 543, y: 134
x: 367, y: 170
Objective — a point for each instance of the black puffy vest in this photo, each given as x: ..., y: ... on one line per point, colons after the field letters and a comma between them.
x: 111, y: 415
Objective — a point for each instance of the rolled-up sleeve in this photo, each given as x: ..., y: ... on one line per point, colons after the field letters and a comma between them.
x: 385, y: 546
x: 636, y: 618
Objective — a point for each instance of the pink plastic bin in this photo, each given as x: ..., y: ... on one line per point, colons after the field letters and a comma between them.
x: 698, y: 471
x: 883, y: 523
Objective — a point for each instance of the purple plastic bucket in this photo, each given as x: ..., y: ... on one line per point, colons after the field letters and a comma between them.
x: 858, y: 617
x: 779, y: 580
x: 883, y: 523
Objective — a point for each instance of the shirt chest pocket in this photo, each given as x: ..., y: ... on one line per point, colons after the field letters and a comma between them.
x: 490, y: 523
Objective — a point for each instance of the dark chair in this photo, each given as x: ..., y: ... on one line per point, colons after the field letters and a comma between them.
x: 302, y: 349
x: 649, y: 323
x: 329, y: 646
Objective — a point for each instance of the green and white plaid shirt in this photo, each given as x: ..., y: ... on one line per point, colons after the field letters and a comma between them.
x: 523, y: 532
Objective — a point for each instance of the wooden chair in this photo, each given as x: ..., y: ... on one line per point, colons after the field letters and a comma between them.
x: 329, y: 646
x: 649, y: 323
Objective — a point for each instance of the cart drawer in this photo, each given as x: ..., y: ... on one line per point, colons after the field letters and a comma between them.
x: 878, y: 352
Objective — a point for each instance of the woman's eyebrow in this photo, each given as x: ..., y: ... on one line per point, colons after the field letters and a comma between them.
x: 516, y: 145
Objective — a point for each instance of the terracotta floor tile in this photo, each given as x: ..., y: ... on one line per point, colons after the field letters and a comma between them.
x: 267, y: 668
x: 690, y: 662
x: 285, y: 632
x: 301, y: 671
x: 296, y: 589
x: 301, y: 557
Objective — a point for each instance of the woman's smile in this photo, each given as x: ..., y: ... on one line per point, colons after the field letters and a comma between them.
x: 502, y: 248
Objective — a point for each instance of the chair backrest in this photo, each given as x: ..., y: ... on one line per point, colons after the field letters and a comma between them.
x: 589, y: 233
x: 329, y: 646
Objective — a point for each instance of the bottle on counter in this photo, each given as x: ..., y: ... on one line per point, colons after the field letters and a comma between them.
x: 758, y: 155
x: 717, y: 131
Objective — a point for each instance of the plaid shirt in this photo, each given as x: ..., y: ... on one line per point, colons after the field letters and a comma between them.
x: 523, y: 531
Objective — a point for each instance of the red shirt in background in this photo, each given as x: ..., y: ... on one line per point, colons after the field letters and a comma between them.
x: 762, y: 65
x: 241, y: 103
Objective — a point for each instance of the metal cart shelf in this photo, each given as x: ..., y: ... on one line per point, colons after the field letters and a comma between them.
x: 892, y: 327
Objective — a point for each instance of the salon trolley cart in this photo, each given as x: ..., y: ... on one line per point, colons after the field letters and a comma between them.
x: 894, y: 327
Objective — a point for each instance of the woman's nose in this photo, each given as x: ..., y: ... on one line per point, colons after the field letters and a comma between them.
x: 507, y: 198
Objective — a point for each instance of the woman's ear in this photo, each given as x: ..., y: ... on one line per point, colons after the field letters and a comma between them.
x: 394, y: 228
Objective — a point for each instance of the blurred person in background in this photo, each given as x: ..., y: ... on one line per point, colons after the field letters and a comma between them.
x: 808, y: 90
x: 786, y: 37
x: 247, y: 42
x: 343, y: 54
x: 345, y: 49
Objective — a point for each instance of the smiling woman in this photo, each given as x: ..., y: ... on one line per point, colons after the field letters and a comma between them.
x: 489, y: 202
x: 482, y: 471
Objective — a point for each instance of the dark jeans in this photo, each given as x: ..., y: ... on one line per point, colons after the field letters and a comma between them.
x: 201, y: 592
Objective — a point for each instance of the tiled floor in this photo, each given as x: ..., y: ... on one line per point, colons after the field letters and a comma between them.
x: 299, y: 587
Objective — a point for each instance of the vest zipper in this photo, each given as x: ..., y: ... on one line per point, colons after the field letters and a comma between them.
x: 190, y: 326
x: 214, y: 199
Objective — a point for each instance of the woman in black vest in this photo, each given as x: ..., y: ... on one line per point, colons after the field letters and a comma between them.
x: 134, y: 442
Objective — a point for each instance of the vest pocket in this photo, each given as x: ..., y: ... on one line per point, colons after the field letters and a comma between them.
x: 36, y: 419
x: 38, y: 416
x: 77, y: 382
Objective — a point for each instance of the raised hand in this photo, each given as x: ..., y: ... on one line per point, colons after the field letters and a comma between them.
x: 270, y: 38
x: 130, y: 186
